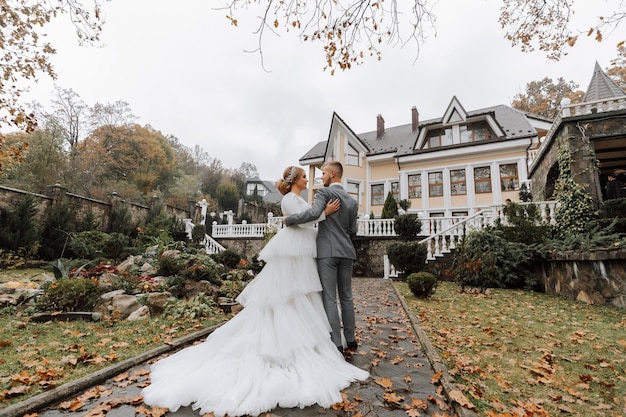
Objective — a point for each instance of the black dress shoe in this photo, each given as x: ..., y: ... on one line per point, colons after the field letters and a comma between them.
x: 352, y: 345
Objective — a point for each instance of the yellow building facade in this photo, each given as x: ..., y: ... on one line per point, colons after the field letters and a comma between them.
x: 448, y: 166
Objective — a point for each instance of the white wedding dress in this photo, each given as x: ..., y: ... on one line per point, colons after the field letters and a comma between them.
x: 275, y: 352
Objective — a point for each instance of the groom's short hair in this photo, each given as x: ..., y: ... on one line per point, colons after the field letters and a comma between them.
x: 334, y: 166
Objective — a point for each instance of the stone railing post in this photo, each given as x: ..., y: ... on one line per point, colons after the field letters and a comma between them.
x: 57, y: 192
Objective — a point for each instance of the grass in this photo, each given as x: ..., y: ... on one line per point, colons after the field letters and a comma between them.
x: 35, y: 357
x: 521, y: 353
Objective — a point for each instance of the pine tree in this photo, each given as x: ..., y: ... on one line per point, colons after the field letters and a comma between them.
x: 390, y: 209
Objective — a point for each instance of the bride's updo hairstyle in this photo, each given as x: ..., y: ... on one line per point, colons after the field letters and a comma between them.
x: 290, y: 175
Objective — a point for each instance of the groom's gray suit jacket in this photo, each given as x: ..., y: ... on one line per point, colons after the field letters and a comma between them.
x: 334, y: 233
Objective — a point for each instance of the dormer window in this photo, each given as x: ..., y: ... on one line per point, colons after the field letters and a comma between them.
x: 476, y: 132
x: 438, y: 137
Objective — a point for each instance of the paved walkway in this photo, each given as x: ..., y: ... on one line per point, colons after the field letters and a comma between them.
x: 392, y: 347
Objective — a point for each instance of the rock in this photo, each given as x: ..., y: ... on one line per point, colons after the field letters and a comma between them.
x: 107, y: 279
x: 6, y: 290
x: 151, y: 252
x: 584, y: 297
x: 171, y: 253
x: 109, y: 295
x: 193, y: 288
x: 156, y: 302
x: 118, y: 304
x: 8, y: 300
x: 127, y: 265
x: 148, y: 269
x: 142, y: 313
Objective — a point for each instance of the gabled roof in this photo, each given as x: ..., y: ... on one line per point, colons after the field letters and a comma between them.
x: 320, y: 150
x: 317, y: 151
x: 602, y: 87
x: 507, y: 123
x: 272, y: 195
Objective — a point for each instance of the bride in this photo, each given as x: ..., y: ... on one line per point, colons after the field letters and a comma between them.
x: 277, y: 351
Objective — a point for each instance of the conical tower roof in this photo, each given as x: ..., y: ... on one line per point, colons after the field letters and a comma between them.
x: 602, y: 87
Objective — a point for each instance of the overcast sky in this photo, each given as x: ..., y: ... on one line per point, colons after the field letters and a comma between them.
x: 183, y: 69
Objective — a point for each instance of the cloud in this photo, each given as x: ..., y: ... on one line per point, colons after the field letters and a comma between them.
x: 183, y: 69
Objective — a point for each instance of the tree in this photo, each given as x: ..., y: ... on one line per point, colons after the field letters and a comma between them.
x: 617, y: 72
x: 544, y: 97
x: 112, y: 114
x: 356, y: 29
x: 546, y: 24
x: 136, y: 154
x: 227, y: 195
x: 390, y: 208
x: 25, y: 56
x: 70, y: 114
x: 45, y: 160
x: 212, y: 177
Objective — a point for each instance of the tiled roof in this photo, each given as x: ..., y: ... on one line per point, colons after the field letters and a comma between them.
x: 402, y: 140
x: 317, y: 151
x: 602, y: 87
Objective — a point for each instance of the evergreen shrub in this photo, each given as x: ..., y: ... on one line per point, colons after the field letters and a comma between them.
x: 485, y: 259
x: 422, y: 284
x: 88, y: 245
x: 18, y: 226
x: 229, y: 258
x: 57, y: 230
x: 69, y: 294
x: 390, y: 207
x: 202, y: 268
x: 407, y: 226
x: 117, y: 246
x: 407, y: 257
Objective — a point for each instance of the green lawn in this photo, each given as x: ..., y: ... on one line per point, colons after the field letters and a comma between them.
x: 520, y: 353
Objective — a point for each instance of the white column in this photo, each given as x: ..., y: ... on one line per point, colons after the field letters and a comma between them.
x: 447, y: 199
x: 404, y: 185
x: 203, y: 206
x: 425, y: 197
x: 471, y: 186
x: 496, y: 190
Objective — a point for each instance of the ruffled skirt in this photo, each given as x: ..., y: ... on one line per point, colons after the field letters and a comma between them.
x: 276, y: 352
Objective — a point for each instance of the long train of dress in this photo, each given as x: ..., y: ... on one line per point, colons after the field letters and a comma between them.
x: 275, y: 352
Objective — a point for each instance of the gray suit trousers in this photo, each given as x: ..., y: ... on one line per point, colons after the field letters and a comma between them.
x: 336, y: 277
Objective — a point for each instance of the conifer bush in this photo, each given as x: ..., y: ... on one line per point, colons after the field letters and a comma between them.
x: 69, y: 294
x: 57, y: 229
x: 422, y: 284
x: 407, y: 257
x: 18, y: 228
x: 390, y: 207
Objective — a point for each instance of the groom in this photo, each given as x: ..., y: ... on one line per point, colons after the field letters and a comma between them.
x: 335, y: 251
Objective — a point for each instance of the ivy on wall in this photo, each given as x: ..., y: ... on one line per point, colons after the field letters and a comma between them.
x: 575, y: 210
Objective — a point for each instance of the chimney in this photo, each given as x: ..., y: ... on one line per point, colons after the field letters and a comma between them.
x: 415, y: 119
x: 380, y: 126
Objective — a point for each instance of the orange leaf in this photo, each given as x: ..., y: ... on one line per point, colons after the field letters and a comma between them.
x: 459, y: 397
x: 385, y: 383
x: 417, y: 403
x: 393, y: 398
x: 436, y: 377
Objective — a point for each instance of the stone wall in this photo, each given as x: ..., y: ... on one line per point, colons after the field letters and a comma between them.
x: 246, y: 248
x: 81, y: 205
x: 595, y: 277
x: 370, y: 252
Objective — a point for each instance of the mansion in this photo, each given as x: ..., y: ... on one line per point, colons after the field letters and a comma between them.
x: 464, y: 160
